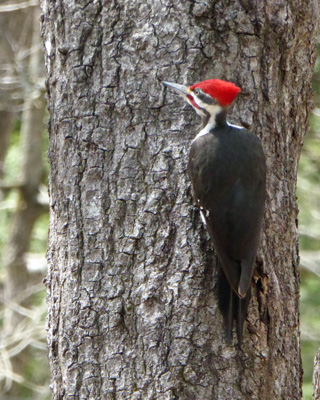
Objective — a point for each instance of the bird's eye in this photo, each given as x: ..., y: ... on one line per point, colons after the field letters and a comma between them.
x: 197, y: 91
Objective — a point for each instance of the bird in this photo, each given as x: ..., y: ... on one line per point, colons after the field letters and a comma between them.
x: 227, y: 167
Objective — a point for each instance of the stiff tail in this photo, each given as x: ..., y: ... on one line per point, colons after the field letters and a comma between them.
x: 232, y: 308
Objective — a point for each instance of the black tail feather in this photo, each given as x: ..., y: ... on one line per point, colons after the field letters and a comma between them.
x: 232, y: 308
x: 226, y: 303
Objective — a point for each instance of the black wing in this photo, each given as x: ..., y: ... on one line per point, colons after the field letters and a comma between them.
x: 228, y: 173
x: 227, y: 168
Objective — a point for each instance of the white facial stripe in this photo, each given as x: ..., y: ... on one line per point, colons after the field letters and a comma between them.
x: 198, y: 111
x: 213, y: 110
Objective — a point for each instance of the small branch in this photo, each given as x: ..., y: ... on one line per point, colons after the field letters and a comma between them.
x: 8, y: 188
x: 18, y: 6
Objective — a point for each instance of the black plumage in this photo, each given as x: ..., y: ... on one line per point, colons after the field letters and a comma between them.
x: 228, y: 172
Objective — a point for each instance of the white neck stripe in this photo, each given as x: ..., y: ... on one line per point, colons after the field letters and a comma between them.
x: 211, y: 125
x: 235, y: 126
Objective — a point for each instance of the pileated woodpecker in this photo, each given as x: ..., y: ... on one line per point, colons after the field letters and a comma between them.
x: 228, y: 173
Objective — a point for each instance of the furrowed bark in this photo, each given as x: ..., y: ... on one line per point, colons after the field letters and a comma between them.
x: 132, y: 284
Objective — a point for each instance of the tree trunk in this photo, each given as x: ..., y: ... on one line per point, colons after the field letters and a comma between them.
x: 316, y: 377
x: 6, y: 122
x: 132, y: 281
x: 28, y: 208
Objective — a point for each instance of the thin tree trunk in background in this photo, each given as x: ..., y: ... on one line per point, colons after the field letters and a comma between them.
x: 28, y: 207
x: 28, y: 210
x: 132, y: 282
x: 21, y: 87
x: 316, y: 377
x: 6, y: 122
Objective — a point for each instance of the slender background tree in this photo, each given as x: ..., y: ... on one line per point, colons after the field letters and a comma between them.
x: 22, y: 184
x: 131, y: 283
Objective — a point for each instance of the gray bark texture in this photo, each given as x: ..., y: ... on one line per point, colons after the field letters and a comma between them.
x: 316, y: 377
x: 132, y: 281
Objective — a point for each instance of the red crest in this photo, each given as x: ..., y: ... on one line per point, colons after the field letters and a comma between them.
x: 224, y: 92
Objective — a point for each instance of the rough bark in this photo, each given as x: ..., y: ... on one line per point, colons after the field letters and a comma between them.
x: 131, y: 285
x: 316, y: 377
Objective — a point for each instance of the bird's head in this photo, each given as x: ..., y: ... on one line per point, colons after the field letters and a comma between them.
x: 208, y: 98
